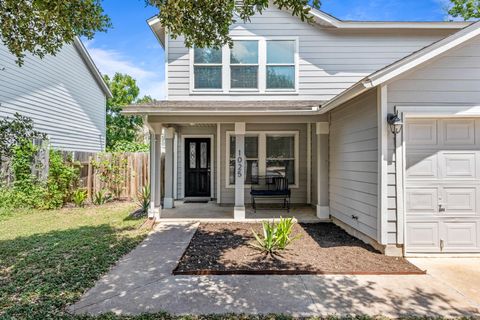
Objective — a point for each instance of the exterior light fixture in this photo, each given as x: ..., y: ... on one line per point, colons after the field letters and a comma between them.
x: 395, y: 123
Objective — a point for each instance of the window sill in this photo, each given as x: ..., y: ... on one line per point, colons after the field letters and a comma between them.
x: 244, y: 92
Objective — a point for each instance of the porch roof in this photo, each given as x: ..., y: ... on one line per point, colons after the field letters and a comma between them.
x: 224, y: 107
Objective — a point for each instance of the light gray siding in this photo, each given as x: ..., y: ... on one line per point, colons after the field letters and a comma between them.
x: 330, y: 60
x: 354, y: 163
x: 60, y: 94
x: 453, y: 79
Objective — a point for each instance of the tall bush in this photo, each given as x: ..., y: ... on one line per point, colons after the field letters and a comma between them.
x: 63, y: 176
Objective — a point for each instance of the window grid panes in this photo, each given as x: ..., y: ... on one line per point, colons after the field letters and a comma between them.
x: 280, y: 157
x: 251, y: 158
x: 207, y: 68
x: 280, y: 64
x: 244, y: 65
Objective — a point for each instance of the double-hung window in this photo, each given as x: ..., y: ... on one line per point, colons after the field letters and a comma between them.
x: 244, y: 65
x: 207, y: 68
x: 281, y: 64
x: 280, y: 156
x: 251, y: 157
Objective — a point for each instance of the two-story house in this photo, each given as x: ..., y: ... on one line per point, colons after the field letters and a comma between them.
x: 374, y: 124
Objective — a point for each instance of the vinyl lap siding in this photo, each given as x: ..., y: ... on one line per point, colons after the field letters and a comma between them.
x: 59, y: 94
x: 354, y: 164
x: 451, y: 79
x: 330, y: 60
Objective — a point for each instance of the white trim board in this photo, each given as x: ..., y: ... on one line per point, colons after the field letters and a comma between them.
x: 212, y: 162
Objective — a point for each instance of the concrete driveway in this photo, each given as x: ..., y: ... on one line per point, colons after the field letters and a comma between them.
x: 461, y: 274
x: 142, y: 282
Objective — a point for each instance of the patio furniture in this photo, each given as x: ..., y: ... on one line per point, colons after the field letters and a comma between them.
x: 270, y: 187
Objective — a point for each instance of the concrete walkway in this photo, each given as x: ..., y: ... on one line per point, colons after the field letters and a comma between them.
x: 142, y: 282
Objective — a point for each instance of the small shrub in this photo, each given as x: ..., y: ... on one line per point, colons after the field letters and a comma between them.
x: 101, y: 197
x: 79, y: 197
x: 276, y: 236
x: 144, y: 198
x: 63, y: 176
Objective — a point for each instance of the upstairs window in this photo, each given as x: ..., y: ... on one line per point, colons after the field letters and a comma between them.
x: 207, y: 68
x: 281, y: 64
x: 244, y: 65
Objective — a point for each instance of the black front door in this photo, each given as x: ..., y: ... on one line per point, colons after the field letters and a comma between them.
x: 197, y: 167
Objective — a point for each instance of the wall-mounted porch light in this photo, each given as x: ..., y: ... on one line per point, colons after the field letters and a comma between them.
x: 395, y: 123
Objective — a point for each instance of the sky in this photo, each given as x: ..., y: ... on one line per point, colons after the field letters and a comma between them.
x: 130, y: 46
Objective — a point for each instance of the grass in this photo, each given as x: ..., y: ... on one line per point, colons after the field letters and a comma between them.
x: 49, y: 258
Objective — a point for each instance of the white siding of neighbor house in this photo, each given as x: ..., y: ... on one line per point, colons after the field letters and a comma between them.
x: 354, y: 163
x: 330, y: 60
x: 453, y: 79
x: 60, y: 94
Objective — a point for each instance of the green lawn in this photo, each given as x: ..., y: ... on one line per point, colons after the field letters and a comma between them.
x: 49, y: 258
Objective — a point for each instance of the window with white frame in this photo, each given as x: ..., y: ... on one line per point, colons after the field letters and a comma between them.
x: 244, y: 65
x: 260, y: 64
x: 280, y: 156
x: 281, y: 64
x: 266, y: 153
x: 251, y: 157
x: 207, y: 68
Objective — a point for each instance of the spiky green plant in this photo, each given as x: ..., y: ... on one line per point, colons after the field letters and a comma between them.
x: 144, y: 198
x: 79, y: 197
x: 101, y: 197
x: 276, y: 235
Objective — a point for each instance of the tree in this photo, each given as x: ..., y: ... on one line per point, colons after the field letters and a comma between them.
x: 121, y: 128
x: 42, y: 26
x: 467, y: 9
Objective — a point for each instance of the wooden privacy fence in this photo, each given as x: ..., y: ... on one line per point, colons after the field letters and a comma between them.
x: 123, y: 174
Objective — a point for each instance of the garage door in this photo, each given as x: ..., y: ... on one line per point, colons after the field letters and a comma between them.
x: 442, y: 185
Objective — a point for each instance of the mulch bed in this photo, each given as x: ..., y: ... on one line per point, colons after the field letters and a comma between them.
x: 324, y: 248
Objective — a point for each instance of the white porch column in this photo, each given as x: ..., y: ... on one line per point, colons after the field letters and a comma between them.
x: 322, y: 131
x: 155, y: 170
x: 239, y: 210
x: 168, y: 201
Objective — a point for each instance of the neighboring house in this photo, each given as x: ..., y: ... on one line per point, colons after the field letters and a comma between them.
x: 65, y: 95
x: 311, y: 102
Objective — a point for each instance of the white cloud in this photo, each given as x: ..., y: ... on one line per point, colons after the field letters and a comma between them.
x: 110, y: 61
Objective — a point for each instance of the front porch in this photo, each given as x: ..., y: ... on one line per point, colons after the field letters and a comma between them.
x: 212, y: 212
x: 220, y: 157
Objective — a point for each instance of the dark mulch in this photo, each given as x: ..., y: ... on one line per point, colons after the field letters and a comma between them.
x: 323, y: 248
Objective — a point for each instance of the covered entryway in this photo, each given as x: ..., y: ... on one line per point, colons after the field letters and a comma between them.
x: 442, y: 185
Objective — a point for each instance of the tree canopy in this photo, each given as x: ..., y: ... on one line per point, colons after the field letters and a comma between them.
x: 42, y: 27
x: 120, y: 128
x: 467, y: 9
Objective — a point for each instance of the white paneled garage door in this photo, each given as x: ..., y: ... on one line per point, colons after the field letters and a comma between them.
x: 442, y: 185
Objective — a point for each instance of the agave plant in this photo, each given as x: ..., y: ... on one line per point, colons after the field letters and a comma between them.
x: 144, y: 198
x: 276, y: 236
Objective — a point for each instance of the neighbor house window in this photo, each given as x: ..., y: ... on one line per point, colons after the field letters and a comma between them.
x: 251, y: 157
x: 280, y: 157
x: 207, y: 68
x: 281, y: 64
x: 244, y: 65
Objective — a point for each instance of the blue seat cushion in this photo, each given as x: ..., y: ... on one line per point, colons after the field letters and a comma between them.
x: 269, y: 192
